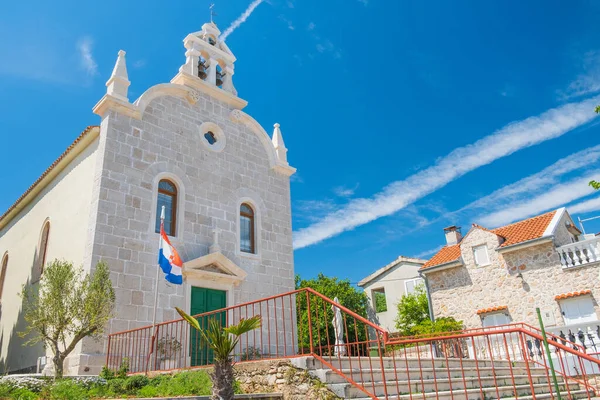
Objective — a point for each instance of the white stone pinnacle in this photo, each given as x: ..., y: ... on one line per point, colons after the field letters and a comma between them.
x: 118, y: 83
x: 279, y: 145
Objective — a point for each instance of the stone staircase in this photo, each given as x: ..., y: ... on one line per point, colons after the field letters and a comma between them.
x: 426, y: 379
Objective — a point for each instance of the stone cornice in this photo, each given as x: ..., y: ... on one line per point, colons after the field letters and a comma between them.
x: 183, y: 78
x: 109, y: 102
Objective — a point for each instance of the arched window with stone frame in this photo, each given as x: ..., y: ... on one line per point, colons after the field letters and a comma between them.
x: 3, y: 274
x: 41, y: 253
x: 247, y: 229
x: 167, y: 197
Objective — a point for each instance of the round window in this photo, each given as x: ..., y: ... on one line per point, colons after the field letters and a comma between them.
x: 212, y: 137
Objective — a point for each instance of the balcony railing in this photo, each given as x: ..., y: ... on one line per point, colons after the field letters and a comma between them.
x: 580, y: 253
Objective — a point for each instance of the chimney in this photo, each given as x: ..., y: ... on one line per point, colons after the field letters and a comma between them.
x: 453, y: 235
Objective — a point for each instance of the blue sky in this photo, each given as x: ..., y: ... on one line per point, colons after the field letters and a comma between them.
x: 402, y: 117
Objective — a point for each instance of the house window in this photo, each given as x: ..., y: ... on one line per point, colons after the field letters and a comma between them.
x: 379, y: 300
x: 43, y: 248
x: 167, y: 197
x: 247, y: 229
x: 3, y: 274
x: 411, y: 284
x: 481, y: 255
x: 578, y: 310
x: 495, y: 319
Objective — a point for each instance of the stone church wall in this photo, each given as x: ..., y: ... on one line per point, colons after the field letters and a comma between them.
x: 166, y: 143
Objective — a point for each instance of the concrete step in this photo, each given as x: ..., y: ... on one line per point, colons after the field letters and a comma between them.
x: 368, y: 375
x: 451, y: 388
x: 575, y: 394
x: 411, y: 363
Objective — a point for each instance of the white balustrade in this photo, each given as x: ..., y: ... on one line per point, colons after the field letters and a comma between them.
x: 579, y: 253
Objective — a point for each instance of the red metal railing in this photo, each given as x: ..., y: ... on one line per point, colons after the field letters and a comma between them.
x: 494, y: 362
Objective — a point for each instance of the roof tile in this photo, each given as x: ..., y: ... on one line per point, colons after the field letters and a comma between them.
x: 445, y: 255
x: 572, y: 294
x: 518, y: 232
x: 522, y: 231
x: 492, y: 309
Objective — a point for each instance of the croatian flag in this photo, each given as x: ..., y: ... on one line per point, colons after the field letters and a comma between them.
x: 168, y: 259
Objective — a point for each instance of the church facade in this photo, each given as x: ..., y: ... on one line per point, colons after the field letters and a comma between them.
x: 185, y: 145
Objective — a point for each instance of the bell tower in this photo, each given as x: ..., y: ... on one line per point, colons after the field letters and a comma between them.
x: 209, y: 65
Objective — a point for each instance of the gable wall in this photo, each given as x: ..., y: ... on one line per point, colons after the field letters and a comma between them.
x: 392, y: 282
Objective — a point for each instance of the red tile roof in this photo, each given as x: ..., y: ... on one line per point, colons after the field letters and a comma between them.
x: 522, y: 231
x: 518, y: 232
x: 445, y: 255
x: 572, y: 294
x: 492, y: 309
x: 48, y: 170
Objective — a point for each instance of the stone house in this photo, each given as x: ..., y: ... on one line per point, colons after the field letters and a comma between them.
x: 498, y: 276
x: 386, y: 286
x: 186, y: 145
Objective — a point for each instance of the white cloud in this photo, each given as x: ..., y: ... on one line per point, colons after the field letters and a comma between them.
x: 586, y: 206
x: 589, y: 81
x: 290, y: 3
x: 343, y: 191
x: 289, y: 23
x: 86, y: 58
x: 546, y: 178
x: 311, y: 26
x: 365, y: 2
x: 511, y: 138
x: 427, y: 253
x: 555, y: 196
x: 241, y: 19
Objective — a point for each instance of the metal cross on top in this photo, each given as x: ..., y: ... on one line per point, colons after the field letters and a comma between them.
x: 212, y: 12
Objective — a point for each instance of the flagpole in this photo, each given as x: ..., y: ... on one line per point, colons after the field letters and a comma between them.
x: 154, y: 331
x: 162, y: 220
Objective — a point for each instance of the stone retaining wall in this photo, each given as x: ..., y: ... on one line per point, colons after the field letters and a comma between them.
x: 281, y: 376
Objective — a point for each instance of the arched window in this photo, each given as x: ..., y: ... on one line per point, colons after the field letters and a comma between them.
x: 247, y: 229
x: 43, y: 248
x: 167, y: 196
x: 3, y: 273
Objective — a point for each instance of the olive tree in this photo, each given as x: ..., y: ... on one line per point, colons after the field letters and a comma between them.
x: 67, y: 306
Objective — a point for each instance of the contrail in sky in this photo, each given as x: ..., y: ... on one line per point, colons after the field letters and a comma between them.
x: 241, y: 19
x: 397, y: 195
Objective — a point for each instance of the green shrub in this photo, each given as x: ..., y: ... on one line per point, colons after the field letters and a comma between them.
x: 148, y: 391
x: 106, y: 373
x: 23, y: 394
x: 116, y: 386
x: 123, y: 368
x: 159, y: 379
x: 136, y: 382
x: 5, y: 390
x: 68, y: 390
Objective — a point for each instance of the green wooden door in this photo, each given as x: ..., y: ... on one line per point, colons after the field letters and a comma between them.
x: 205, y: 300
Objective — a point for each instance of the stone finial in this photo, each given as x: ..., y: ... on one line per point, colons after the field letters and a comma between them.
x: 118, y: 83
x: 279, y: 145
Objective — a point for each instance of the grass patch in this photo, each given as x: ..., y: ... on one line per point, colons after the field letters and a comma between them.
x: 187, y: 383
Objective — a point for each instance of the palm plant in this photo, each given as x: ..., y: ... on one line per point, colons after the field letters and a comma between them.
x: 222, y: 341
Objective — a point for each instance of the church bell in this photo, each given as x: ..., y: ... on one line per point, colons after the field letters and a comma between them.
x: 201, y: 70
